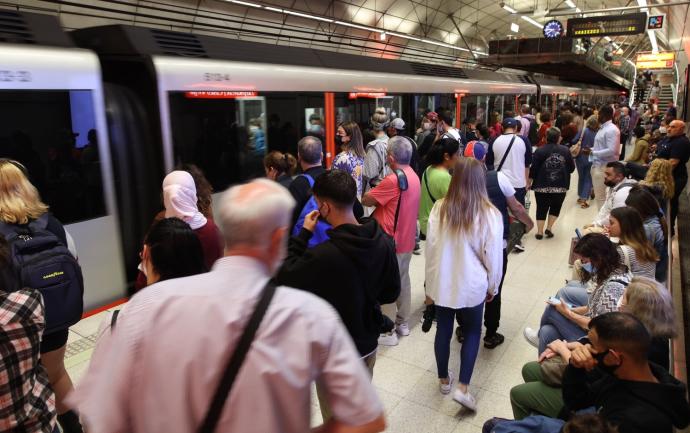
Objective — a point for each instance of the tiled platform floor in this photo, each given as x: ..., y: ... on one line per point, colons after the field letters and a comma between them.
x: 405, y: 375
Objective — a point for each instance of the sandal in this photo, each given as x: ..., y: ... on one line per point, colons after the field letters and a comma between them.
x: 584, y: 205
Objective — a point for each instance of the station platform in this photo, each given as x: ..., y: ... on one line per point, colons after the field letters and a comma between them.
x: 405, y: 375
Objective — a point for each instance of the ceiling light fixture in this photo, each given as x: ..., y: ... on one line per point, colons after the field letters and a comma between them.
x: 272, y: 9
x: 251, y: 5
x: 357, y: 26
x: 514, y: 27
x: 532, y: 21
x: 382, y: 36
x: 303, y: 15
x: 508, y: 8
x: 570, y: 3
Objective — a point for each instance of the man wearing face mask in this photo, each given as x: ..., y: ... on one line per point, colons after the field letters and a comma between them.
x: 612, y: 374
x: 355, y: 270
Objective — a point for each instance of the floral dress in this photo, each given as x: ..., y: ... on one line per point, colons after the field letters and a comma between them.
x: 353, y: 165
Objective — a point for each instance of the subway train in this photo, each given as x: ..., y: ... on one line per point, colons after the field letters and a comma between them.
x: 99, y: 115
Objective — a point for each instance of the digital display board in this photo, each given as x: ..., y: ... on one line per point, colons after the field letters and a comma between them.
x: 656, y: 22
x: 610, y: 25
x: 662, y: 60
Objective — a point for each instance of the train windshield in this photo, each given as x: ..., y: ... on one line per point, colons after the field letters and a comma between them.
x: 53, y: 134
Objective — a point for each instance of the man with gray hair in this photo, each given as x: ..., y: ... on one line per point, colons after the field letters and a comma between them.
x: 310, y: 155
x: 161, y: 368
x: 396, y: 200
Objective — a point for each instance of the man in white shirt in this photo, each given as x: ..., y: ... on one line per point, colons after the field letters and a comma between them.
x: 618, y: 188
x: 517, y: 161
x: 524, y: 119
x: 607, y: 148
x: 164, y: 360
x: 445, y: 126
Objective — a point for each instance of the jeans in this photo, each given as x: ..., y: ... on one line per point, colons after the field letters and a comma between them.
x: 472, y: 330
x: 400, y: 311
x: 554, y: 326
x: 584, y: 176
x: 534, y: 396
x: 574, y: 293
x: 492, y: 313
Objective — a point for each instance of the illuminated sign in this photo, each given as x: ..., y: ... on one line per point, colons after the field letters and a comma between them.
x: 355, y: 95
x: 221, y: 94
x: 656, y: 22
x: 629, y: 24
x: 663, y: 60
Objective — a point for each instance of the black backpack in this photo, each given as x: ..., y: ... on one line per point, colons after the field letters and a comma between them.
x: 533, y: 133
x: 42, y: 262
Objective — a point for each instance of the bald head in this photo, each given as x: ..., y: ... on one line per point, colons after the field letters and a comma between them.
x: 250, y: 213
x: 676, y: 128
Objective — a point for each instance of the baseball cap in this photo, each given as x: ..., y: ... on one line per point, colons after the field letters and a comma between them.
x: 510, y: 122
x: 397, y: 123
x: 475, y: 149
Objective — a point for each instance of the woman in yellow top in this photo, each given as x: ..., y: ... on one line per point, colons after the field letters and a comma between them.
x: 641, y: 151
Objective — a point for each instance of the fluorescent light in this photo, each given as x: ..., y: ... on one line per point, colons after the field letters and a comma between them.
x: 652, y: 40
x: 514, y: 27
x: 570, y: 3
x: 400, y: 35
x: 383, y: 36
x: 532, y: 21
x: 357, y: 26
x: 300, y: 14
x: 509, y: 9
x: 578, y: 10
x: 269, y: 8
x: 608, y: 38
x: 253, y: 5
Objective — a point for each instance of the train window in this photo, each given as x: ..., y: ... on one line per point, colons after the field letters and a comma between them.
x: 228, y: 133
x: 359, y: 107
x: 53, y: 134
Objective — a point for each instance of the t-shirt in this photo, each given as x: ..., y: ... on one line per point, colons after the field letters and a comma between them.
x: 676, y: 148
x: 386, y: 195
x: 517, y: 160
x: 438, y: 180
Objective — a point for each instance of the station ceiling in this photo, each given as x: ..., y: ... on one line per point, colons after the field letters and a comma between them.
x: 437, y: 31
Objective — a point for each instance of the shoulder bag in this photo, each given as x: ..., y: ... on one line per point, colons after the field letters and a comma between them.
x: 505, y: 155
x: 236, y: 359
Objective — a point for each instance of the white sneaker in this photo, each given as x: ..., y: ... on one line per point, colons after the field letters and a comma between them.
x: 446, y: 387
x: 388, y: 339
x: 402, y: 329
x: 532, y: 336
x: 466, y: 399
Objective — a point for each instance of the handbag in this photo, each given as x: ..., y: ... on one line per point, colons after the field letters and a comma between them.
x: 552, y: 370
x: 236, y: 360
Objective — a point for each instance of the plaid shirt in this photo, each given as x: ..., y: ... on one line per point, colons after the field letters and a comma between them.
x: 27, y: 403
x: 624, y: 124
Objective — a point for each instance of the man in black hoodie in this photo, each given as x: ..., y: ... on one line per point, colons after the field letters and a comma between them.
x: 625, y: 388
x: 355, y: 271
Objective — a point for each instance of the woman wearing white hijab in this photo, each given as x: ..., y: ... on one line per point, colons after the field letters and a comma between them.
x: 180, y: 201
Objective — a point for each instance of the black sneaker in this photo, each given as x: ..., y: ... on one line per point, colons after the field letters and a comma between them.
x: 518, y: 248
x: 428, y: 317
x: 458, y: 334
x: 492, y: 341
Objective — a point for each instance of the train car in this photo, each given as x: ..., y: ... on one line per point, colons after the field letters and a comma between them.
x: 53, y: 122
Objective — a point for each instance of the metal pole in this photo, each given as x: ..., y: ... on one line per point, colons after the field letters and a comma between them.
x: 623, y: 8
x: 462, y: 37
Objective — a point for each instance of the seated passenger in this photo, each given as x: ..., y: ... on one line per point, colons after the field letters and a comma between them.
x: 280, y: 167
x: 464, y: 265
x: 636, y: 252
x: 617, y: 190
x: 613, y: 375
x: 600, y: 264
x: 145, y: 382
x: 644, y: 298
x: 171, y: 250
x: 655, y: 226
x: 355, y: 270
x: 659, y: 180
x: 28, y: 402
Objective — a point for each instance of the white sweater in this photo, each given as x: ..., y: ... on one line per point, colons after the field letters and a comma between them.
x: 456, y: 277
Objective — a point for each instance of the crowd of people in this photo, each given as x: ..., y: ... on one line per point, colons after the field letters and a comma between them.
x: 305, y: 273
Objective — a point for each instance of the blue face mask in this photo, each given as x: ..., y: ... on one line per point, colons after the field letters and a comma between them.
x: 589, y: 268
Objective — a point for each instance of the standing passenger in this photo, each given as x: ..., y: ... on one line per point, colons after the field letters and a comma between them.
x: 676, y: 148
x: 375, y: 168
x: 280, y: 167
x: 309, y: 155
x: 351, y: 157
x: 607, y: 148
x: 583, y: 163
x: 396, y: 200
x: 145, y: 383
x: 463, y: 269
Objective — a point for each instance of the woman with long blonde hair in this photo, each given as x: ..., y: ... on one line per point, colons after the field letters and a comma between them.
x: 464, y: 264
x: 660, y: 177
x: 652, y: 304
x: 20, y: 204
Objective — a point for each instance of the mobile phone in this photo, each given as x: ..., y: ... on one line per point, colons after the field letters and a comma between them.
x: 578, y: 233
x: 553, y: 300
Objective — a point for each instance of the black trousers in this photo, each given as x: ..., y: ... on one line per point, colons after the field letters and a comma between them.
x: 680, y: 185
x: 492, y: 310
x: 548, y: 203
x: 624, y: 139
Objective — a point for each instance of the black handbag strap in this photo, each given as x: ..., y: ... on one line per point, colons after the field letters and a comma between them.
x: 505, y: 155
x: 236, y: 359
x: 426, y: 182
